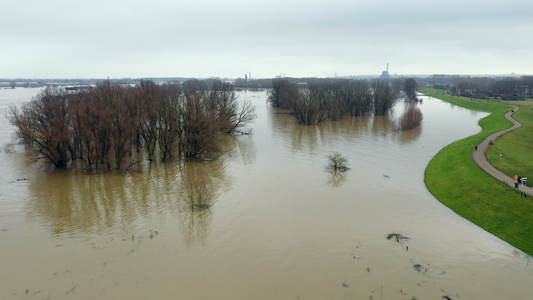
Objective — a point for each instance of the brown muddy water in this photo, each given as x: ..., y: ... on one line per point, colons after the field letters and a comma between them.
x: 280, y: 226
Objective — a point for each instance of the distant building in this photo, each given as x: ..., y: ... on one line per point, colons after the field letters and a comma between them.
x: 385, y: 74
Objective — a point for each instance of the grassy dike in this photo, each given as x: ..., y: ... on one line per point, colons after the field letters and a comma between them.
x: 516, y: 147
x: 456, y: 181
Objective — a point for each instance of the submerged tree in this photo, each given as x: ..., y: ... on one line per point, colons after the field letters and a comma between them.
x: 282, y: 94
x: 332, y: 99
x: 359, y: 98
x: 410, y: 119
x: 410, y: 88
x: 149, y: 98
x: 384, y: 96
x: 307, y: 109
x: 110, y: 125
x: 231, y: 115
x: 43, y: 125
x: 120, y: 118
x: 199, y: 124
x: 86, y: 128
x: 337, y: 163
x: 169, y: 119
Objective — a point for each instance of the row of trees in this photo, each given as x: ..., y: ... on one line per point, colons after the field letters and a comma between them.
x: 114, y: 125
x: 331, y: 100
x: 509, y: 88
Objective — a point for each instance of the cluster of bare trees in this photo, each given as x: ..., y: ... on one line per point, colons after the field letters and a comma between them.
x: 117, y: 126
x: 282, y: 94
x: 331, y: 100
x: 508, y: 88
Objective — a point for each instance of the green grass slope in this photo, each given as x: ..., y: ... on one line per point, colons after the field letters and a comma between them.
x: 455, y: 180
x: 515, y: 147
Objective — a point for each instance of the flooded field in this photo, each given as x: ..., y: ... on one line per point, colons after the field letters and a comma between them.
x: 279, y: 226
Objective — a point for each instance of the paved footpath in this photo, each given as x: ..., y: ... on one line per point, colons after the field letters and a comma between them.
x: 480, y: 156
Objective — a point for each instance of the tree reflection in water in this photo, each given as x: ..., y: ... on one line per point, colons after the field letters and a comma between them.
x: 310, y: 137
x: 72, y: 205
x: 336, y: 178
x: 382, y: 125
x: 200, y: 184
x: 409, y: 136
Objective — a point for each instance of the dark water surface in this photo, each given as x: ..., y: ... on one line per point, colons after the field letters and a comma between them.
x: 280, y: 226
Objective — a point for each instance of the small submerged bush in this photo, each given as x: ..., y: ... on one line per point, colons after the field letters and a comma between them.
x: 337, y: 163
x: 396, y: 236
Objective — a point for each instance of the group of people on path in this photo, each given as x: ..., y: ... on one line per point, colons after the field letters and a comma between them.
x: 490, y: 143
x: 518, y: 179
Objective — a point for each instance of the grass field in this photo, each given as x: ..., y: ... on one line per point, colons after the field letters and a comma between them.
x: 515, y: 147
x: 455, y: 180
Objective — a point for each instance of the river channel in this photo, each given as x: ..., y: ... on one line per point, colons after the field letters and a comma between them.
x: 280, y: 226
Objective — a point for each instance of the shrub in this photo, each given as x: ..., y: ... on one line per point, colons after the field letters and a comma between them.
x: 410, y: 119
x: 337, y: 163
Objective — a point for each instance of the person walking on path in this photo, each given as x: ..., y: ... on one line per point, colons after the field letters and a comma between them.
x: 476, y: 147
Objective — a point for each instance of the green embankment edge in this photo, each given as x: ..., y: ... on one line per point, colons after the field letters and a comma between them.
x: 457, y: 182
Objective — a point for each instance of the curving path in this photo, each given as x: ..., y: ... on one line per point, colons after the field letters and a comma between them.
x: 480, y: 156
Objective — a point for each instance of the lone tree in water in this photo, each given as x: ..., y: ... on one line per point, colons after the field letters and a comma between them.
x: 337, y: 163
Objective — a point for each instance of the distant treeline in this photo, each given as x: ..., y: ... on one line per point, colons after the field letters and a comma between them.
x: 332, y: 99
x: 115, y: 126
x: 508, y: 88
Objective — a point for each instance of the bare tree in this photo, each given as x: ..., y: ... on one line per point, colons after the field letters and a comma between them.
x: 148, y: 97
x: 118, y: 117
x: 169, y: 119
x: 84, y: 122
x: 200, y: 128
x: 231, y: 116
x: 306, y: 108
x: 283, y: 92
x: 331, y: 97
x: 359, y: 99
x: 43, y: 124
x: 384, y: 97
x: 410, y: 88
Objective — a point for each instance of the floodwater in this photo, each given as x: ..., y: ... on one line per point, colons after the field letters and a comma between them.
x: 280, y: 226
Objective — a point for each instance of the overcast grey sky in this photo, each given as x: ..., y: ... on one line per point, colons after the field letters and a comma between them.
x: 201, y: 38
